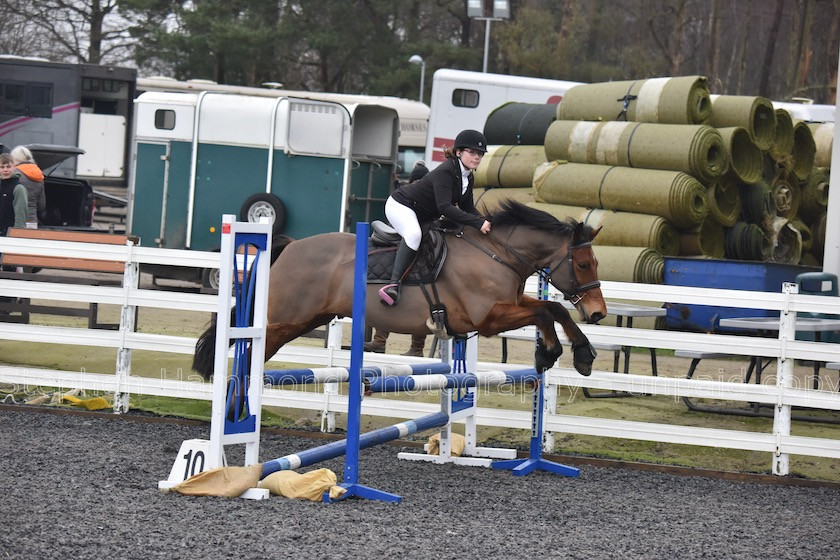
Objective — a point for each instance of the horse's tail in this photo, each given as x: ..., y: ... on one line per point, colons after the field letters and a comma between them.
x: 205, y: 349
x: 278, y: 243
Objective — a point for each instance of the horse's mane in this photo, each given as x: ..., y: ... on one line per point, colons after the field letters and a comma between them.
x: 513, y: 213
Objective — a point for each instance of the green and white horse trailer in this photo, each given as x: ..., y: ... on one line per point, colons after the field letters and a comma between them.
x: 310, y: 166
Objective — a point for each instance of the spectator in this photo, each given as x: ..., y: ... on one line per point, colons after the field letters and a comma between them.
x: 32, y: 178
x: 13, y: 197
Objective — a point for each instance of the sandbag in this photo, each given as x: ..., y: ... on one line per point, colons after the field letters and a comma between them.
x: 303, y: 486
x: 756, y: 114
x: 694, y: 149
x: 676, y: 196
x: 457, y: 443
x: 509, y: 166
x: 519, y: 123
x: 621, y: 229
x: 670, y: 100
x: 225, y: 482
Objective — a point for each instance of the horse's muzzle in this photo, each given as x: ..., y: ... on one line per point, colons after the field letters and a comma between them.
x: 595, y: 317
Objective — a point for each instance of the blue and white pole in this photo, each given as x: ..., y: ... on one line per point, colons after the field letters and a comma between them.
x: 451, y: 381
x: 339, y: 448
x: 342, y: 374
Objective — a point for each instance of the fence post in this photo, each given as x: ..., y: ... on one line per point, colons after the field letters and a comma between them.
x: 131, y: 281
x: 334, y: 337
x: 784, y: 379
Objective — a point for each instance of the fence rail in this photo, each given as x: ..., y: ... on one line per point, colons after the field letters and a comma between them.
x: 785, y: 349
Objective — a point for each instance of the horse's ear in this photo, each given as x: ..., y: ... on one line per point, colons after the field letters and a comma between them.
x: 595, y: 232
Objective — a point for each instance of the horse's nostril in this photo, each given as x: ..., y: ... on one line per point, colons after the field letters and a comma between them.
x: 595, y: 317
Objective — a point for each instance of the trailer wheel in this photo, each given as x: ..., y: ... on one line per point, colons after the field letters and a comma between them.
x: 210, y: 278
x: 264, y: 205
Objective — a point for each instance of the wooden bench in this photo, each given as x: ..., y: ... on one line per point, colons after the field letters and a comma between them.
x: 19, y: 266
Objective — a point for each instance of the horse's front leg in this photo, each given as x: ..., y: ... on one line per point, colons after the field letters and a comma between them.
x: 504, y: 317
x: 583, y: 353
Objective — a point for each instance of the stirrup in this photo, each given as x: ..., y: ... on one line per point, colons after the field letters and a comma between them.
x: 389, y: 294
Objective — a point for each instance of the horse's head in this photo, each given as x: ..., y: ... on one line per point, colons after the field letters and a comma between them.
x: 564, y: 247
x: 576, y: 275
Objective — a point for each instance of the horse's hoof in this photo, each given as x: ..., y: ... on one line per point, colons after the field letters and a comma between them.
x: 584, y: 356
x: 544, y: 358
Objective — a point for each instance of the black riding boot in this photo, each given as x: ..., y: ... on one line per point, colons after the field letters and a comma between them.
x: 390, y: 293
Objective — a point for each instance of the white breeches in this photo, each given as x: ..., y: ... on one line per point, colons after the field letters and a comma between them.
x: 404, y: 220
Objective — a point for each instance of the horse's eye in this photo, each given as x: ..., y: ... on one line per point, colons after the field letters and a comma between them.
x: 583, y: 265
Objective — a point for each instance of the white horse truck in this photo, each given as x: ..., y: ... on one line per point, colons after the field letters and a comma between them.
x: 463, y: 99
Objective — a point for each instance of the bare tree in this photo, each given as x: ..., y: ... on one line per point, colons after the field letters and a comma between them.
x: 713, y: 61
x: 671, y: 46
x: 770, y: 49
x: 19, y: 37
x: 75, y: 30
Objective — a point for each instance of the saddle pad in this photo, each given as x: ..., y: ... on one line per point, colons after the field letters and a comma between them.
x: 426, y: 267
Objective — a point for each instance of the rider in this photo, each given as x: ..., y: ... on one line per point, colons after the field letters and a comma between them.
x: 445, y: 191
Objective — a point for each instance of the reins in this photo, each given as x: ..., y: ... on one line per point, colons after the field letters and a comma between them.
x: 573, y: 297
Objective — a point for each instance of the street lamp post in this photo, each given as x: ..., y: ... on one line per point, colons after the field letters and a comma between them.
x: 488, y: 10
x: 417, y: 59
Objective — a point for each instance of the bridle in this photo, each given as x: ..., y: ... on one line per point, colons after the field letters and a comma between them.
x: 578, y: 291
x: 574, y: 295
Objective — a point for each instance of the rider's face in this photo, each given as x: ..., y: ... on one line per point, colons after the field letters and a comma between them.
x: 470, y: 158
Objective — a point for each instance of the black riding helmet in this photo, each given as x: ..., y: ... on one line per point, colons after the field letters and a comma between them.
x: 472, y: 139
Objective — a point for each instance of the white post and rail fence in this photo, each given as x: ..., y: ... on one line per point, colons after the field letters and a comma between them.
x: 781, y: 396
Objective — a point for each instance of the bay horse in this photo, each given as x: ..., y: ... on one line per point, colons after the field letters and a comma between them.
x: 481, y: 284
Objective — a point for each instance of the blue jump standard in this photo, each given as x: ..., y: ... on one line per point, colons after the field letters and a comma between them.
x: 535, y: 461
x: 521, y: 467
x: 354, y: 411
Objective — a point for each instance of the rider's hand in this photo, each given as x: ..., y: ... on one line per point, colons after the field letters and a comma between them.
x: 485, y: 227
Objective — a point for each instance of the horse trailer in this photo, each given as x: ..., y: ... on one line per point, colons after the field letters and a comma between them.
x: 82, y: 105
x: 309, y: 166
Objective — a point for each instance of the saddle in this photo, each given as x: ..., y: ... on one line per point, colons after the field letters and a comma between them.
x: 382, y: 248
